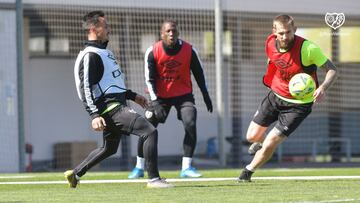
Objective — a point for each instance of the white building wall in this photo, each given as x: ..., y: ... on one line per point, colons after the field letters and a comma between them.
x: 54, y: 113
x: 9, y: 144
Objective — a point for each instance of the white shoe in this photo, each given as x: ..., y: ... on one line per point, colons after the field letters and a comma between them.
x: 159, y: 183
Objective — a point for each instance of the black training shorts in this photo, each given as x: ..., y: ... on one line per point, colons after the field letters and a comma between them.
x: 121, y: 121
x: 288, y: 115
x: 186, y: 102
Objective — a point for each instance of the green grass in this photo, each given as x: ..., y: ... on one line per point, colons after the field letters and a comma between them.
x: 339, y: 190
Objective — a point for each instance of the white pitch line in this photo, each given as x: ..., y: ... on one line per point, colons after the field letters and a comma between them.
x: 15, y: 177
x: 329, y: 201
x: 183, y: 180
x: 307, y: 178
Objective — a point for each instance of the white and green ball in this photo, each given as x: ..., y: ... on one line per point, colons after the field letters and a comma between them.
x: 302, y: 86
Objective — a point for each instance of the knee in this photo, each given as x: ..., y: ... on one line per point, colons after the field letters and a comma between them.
x: 151, y: 133
x: 190, y: 124
x: 188, y: 116
x: 252, y: 136
x: 255, y: 133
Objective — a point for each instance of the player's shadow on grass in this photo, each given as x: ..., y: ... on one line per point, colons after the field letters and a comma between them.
x: 233, y: 184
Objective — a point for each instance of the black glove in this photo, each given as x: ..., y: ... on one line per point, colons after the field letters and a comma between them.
x: 208, y: 102
x: 159, y: 111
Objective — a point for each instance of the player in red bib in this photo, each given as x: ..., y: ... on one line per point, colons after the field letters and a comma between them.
x: 168, y: 66
x: 288, y: 54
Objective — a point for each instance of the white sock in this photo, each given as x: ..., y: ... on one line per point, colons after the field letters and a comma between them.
x: 250, y: 168
x: 140, y: 162
x: 186, y: 163
x: 77, y: 177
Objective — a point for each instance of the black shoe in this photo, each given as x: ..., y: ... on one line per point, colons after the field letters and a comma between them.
x: 245, y: 176
x: 256, y: 146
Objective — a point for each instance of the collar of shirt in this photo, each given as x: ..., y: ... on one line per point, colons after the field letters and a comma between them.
x: 96, y: 43
x: 172, y: 50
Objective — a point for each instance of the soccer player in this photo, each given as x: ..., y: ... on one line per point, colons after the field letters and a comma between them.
x: 168, y: 64
x: 101, y: 87
x: 288, y: 54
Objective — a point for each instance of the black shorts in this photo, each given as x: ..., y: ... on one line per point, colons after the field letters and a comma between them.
x: 179, y: 103
x: 288, y: 115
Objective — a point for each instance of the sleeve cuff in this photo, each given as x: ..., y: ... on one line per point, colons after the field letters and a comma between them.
x: 94, y: 115
x: 130, y: 95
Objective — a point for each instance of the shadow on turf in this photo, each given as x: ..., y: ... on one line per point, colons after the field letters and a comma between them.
x: 234, y: 184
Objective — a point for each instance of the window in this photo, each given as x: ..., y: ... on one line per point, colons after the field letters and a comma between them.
x: 209, y: 43
x: 348, y: 38
x: 320, y: 36
x: 59, y: 46
x: 37, y: 45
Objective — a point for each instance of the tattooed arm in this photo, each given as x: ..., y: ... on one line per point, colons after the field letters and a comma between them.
x: 330, y: 77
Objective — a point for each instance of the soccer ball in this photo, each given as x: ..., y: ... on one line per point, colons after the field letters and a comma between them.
x: 302, y: 86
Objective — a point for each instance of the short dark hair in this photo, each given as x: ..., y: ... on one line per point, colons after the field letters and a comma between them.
x: 283, y: 19
x: 92, y: 18
x: 169, y: 20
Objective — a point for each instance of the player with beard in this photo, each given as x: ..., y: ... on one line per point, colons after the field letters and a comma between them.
x: 288, y: 54
x: 100, y: 85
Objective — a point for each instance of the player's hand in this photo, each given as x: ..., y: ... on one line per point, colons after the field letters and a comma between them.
x: 98, y: 123
x: 208, y: 102
x: 159, y: 111
x: 319, y: 94
x: 142, y: 101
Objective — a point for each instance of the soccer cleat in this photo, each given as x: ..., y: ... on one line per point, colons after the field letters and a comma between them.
x: 256, y: 146
x: 136, y: 173
x: 158, y: 183
x: 245, y: 176
x: 190, y: 173
x: 71, y: 178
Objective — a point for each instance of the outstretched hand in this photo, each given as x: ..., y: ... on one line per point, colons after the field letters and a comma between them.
x: 208, y: 102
